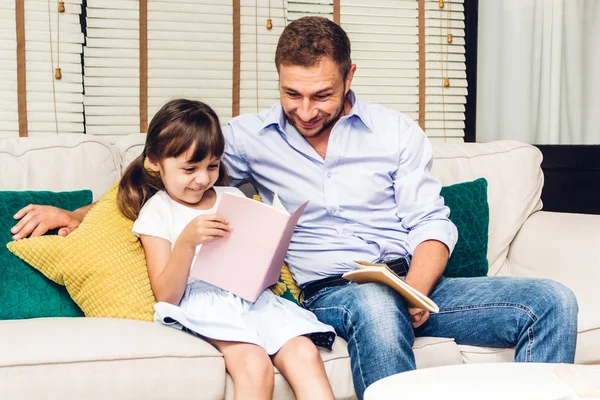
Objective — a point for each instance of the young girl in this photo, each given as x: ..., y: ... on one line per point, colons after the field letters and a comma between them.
x: 173, y: 206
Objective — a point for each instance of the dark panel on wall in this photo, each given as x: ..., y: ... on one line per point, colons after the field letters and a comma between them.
x: 471, y: 18
x: 572, y: 178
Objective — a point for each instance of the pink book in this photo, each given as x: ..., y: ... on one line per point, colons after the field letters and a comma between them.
x: 250, y: 259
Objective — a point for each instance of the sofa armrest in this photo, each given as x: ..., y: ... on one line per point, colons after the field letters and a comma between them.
x: 566, y: 248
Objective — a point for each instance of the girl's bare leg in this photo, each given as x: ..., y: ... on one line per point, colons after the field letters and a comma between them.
x: 250, y: 368
x: 301, y: 365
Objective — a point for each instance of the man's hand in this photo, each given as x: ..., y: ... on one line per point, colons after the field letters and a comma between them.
x: 417, y: 316
x: 35, y: 220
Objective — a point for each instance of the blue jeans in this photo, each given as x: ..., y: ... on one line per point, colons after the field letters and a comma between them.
x: 538, y: 317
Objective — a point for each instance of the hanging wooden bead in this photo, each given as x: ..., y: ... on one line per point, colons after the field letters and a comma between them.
x: 269, y: 24
x: 446, y: 82
x: 61, y: 6
x: 449, y: 38
x: 57, y: 73
x: 441, y: 4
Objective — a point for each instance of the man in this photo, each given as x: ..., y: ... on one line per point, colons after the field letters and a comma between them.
x: 365, y: 171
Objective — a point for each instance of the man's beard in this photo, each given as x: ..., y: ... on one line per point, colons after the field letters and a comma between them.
x: 328, y: 124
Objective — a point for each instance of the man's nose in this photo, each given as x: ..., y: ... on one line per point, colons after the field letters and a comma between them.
x: 306, y: 111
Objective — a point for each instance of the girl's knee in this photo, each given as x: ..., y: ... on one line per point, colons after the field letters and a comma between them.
x: 251, y: 367
x: 304, y: 352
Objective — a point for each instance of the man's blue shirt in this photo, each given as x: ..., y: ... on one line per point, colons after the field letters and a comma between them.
x: 372, y: 198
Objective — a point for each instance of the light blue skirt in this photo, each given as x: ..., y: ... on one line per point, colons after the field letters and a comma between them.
x: 269, y: 322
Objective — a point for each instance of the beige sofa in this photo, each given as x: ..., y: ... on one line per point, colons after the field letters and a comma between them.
x: 76, y: 358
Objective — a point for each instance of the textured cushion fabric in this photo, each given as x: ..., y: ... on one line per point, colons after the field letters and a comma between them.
x: 515, y: 179
x: 105, y: 358
x: 101, y: 263
x: 24, y: 291
x: 47, y: 163
x: 470, y: 213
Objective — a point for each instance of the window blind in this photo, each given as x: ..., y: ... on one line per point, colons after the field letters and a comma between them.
x: 258, y: 75
x: 190, y: 55
x: 111, y: 57
x: 385, y: 47
x: 42, y: 88
x: 445, y: 106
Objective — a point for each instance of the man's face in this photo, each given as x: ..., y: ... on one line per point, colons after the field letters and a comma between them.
x: 313, y: 97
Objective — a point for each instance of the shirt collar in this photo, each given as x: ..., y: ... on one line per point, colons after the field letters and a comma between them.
x: 359, y: 110
x: 276, y: 116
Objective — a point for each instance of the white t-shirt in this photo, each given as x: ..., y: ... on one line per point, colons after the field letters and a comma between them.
x: 165, y: 218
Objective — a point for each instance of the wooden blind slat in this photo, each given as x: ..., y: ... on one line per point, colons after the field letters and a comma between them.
x: 21, y: 68
x: 143, y: 65
x: 237, y: 35
x: 422, y: 64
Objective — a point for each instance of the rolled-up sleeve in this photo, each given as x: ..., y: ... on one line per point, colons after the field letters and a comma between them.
x: 421, y: 209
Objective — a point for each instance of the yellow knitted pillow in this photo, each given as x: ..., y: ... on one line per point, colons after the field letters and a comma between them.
x: 101, y: 263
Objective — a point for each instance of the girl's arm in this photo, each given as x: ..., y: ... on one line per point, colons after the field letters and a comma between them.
x: 168, y: 270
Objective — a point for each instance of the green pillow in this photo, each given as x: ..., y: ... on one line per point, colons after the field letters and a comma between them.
x: 470, y: 213
x: 24, y: 291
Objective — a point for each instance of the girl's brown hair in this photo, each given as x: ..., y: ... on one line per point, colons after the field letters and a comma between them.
x: 178, y: 126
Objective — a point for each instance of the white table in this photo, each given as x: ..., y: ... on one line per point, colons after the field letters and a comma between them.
x: 502, y: 381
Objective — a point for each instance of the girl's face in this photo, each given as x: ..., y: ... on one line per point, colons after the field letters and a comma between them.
x: 186, y: 181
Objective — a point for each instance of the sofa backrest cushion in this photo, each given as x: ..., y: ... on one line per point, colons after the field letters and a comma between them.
x: 59, y: 163
x: 130, y: 147
x: 515, y: 181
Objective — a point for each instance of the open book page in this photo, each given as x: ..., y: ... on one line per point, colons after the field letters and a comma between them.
x: 381, y: 273
x: 583, y: 379
x: 241, y: 262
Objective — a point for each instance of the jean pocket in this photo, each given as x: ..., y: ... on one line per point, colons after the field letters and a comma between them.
x: 323, y: 292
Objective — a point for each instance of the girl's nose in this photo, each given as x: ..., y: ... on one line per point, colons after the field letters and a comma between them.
x: 202, y: 179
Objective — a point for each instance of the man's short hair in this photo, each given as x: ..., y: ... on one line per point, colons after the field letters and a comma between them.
x: 305, y: 41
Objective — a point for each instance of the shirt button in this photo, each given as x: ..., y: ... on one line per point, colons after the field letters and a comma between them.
x: 329, y: 174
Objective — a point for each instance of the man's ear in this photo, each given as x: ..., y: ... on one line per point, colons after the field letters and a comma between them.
x: 152, y: 166
x: 349, y: 77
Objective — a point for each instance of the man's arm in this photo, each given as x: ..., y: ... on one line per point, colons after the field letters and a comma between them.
x: 36, y: 220
x: 431, y: 235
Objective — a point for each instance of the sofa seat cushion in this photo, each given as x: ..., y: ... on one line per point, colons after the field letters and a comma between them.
x: 61, y: 163
x: 101, y: 358
x: 474, y: 354
x: 515, y: 179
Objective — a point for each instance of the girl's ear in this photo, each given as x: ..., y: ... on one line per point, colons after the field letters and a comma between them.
x: 152, y: 166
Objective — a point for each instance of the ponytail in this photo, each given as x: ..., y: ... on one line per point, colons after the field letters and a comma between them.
x: 136, y: 186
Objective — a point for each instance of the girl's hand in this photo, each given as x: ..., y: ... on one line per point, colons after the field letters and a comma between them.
x: 205, y: 228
